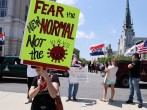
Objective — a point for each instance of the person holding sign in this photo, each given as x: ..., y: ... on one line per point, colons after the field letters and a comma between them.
x: 110, y: 79
x: 44, y: 89
x: 31, y: 73
x: 74, y: 85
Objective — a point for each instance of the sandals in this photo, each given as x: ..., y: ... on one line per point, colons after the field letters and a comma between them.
x: 103, y: 100
x: 110, y: 100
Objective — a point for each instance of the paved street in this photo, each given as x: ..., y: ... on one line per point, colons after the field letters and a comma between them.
x: 92, y: 90
x: 88, y: 95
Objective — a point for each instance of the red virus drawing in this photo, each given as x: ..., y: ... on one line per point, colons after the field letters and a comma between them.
x: 57, y: 53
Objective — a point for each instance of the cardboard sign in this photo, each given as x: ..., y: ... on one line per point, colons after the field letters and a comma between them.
x: 78, y: 75
x: 50, y: 34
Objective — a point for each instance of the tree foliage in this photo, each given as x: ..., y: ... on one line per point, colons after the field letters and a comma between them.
x: 77, y: 52
x: 83, y: 60
x: 120, y: 57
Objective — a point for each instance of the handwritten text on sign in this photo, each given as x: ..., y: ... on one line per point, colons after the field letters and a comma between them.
x: 50, y: 33
x: 78, y: 75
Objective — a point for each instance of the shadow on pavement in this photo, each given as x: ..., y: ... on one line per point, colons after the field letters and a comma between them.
x: 88, y: 102
x: 13, y: 80
x: 119, y: 103
x: 144, y: 105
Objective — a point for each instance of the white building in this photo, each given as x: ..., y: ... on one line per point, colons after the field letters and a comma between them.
x: 13, y: 14
x: 127, y: 38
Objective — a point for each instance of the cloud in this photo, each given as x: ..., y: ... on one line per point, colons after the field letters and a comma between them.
x: 81, y: 34
x: 113, y: 31
x: 72, y: 2
x: 81, y: 19
x: 106, y: 42
x: 93, y: 45
x: 68, y: 2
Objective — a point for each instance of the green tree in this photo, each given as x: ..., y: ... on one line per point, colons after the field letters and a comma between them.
x: 77, y: 52
x: 83, y: 60
x: 122, y: 57
x: 101, y: 60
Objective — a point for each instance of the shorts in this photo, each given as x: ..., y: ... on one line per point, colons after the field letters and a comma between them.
x: 109, y: 82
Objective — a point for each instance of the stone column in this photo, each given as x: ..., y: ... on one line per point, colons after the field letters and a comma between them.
x: 10, y: 5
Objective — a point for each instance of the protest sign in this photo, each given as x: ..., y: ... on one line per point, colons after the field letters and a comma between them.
x: 50, y: 34
x: 78, y: 75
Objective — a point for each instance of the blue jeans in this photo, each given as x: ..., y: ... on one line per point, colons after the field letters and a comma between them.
x: 134, y: 84
x: 75, y: 90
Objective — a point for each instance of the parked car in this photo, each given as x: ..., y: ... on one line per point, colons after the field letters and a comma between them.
x: 10, y: 66
x: 123, y: 73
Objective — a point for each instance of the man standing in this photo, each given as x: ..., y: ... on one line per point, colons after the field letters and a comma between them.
x: 75, y: 86
x: 134, y: 78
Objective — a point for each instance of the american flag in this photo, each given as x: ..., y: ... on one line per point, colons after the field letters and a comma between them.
x: 142, y: 48
x: 74, y: 61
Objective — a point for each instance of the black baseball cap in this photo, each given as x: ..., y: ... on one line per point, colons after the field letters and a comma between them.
x: 136, y: 55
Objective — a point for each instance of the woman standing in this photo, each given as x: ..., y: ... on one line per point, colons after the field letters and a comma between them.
x: 110, y: 79
x: 44, y: 89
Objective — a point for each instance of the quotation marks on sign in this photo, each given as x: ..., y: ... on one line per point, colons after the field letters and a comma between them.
x: 57, y: 53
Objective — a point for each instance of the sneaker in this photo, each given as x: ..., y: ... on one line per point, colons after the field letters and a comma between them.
x: 74, y: 99
x: 139, y: 105
x: 68, y: 99
x: 28, y: 101
x: 129, y: 102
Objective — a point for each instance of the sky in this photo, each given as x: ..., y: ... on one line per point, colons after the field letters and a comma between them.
x: 101, y: 21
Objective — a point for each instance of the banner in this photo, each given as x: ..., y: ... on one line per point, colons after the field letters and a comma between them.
x: 97, y: 52
x: 50, y: 34
x: 96, y: 47
x: 78, y: 75
x: 131, y: 51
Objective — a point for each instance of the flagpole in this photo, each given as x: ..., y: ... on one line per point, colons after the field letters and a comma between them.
x: 3, y: 50
x: 3, y: 46
x: 104, y: 50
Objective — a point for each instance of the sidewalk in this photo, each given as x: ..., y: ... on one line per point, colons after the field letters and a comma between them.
x: 15, y: 101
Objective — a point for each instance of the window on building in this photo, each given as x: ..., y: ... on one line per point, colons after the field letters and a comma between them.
x: 26, y: 12
x: 0, y: 30
x: 3, y: 8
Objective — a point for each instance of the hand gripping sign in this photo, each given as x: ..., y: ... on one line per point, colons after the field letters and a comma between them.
x: 49, y: 34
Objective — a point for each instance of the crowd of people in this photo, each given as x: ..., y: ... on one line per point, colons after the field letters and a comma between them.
x: 44, y: 87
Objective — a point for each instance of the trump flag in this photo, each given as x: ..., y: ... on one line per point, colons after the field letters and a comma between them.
x: 96, y: 47
x: 97, y: 52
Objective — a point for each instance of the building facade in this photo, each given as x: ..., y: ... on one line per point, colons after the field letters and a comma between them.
x: 13, y: 14
x: 108, y: 51
x: 128, y: 38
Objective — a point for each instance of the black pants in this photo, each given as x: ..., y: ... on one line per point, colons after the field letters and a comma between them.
x: 29, y: 83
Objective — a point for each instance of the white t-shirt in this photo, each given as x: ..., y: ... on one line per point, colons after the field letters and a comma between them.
x: 112, y: 73
x: 31, y: 72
